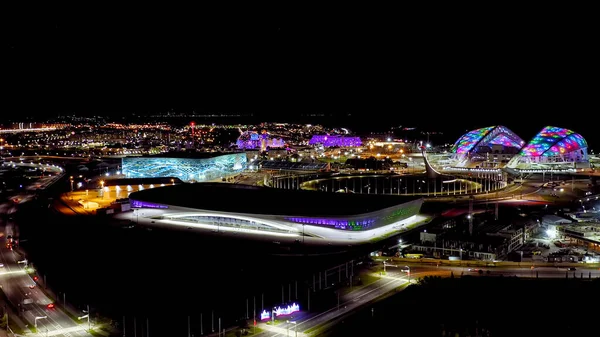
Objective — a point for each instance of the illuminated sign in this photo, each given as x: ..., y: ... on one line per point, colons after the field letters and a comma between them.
x: 290, y: 309
x: 280, y: 311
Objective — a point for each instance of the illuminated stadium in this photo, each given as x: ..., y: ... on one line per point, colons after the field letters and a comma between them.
x: 267, y: 212
x: 489, y: 147
x: 191, y: 167
x: 553, y: 148
x: 251, y: 140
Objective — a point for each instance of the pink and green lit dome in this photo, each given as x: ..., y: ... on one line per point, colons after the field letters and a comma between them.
x: 553, y: 141
x: 488, y: 136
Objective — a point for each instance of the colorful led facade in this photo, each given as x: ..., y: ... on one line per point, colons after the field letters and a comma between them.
x: 491, y: 135
x: 553, y: 148
x: 197, y: 169
x: 553, y: 141
x: 335, y: 140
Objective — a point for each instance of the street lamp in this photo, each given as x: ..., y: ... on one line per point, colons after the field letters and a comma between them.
x: 87, y: 315
x: 295, y: 327
x: 25, y: 262
x: 273, y: 316
x: 36, y: 319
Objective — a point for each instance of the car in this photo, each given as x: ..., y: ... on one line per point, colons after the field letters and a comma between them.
x: 1, y: 265
x: 31, y: 286
x: 50, y: 306
x: 571, y: 269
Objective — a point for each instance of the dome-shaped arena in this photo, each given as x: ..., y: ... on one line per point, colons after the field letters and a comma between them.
x: 553, y: 147
x: 491, y: 146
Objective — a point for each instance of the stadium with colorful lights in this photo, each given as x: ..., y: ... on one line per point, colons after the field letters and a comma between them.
x: 488, y: 147
x: 553, y: 148
x: 497, y: 147
x: 262, y: 212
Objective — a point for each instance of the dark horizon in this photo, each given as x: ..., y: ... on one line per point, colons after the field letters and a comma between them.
x: 435, y: 71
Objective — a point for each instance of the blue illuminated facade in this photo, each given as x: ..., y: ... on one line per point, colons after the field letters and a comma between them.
x: 187, y: 169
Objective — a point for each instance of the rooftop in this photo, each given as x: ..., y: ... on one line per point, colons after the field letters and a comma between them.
x: 110, y: 181
x: 589, y: 231
x: 263, y: 200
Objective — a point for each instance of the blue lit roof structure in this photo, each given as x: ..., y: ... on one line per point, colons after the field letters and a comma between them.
x: 198, y: 169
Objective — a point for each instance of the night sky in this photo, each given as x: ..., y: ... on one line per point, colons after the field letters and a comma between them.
x: 522, y: 69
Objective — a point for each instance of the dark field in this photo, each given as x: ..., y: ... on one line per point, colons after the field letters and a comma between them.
x: 470, y: 305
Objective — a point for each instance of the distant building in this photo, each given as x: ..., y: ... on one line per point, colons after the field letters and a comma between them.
x: 490, y: 240
x: 335, y: 140
x: 260, y: 141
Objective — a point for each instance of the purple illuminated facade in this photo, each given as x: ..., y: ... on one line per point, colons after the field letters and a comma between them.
x: 335, y: 140
x: 366, y: 221
x: 145, y: 204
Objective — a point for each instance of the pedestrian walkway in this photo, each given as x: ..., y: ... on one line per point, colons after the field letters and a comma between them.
x: 59, y: 331
x: 268, y: 327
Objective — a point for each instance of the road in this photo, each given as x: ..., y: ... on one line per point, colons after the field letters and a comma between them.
x: 16, y: 283
x: 396, y: 280
x: 348, y: 302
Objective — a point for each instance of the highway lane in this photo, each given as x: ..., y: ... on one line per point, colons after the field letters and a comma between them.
x: 541, y: 272
x: 519, y: 192
x: 19, y: 286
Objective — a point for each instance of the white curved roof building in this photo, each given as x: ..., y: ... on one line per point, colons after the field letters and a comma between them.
x: 266, y: 212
